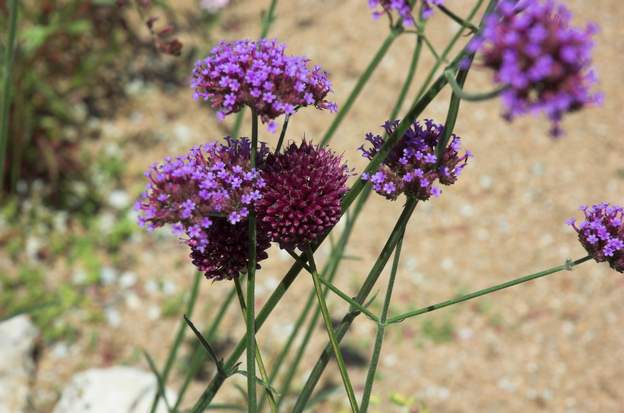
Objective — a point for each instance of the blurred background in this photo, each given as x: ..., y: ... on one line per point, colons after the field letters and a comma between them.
x: 101, y: 91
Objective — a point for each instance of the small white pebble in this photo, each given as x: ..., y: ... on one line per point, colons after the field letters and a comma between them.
x: 108, y: 275
x: 127, y: 279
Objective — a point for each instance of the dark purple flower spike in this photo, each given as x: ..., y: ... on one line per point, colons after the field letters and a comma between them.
x: 301, y: 198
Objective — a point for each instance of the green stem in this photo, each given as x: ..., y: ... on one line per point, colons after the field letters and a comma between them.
x: 372, y: 369
x: 263, y: 373
x: 267, y: 22
x: 408, y: 79
x: 363, y: 293
x: 329, y: 273
x: 567, y: 266
x: 346, y: 107
x: 330, y: 332
x: 335, y: 289
x: 178, y: 337
x: 251, y: 283
x: 159, y: 381
x: 472, y: 97
x: 458, y: 20
x: 455, y: 97
x: 447, y: 50
x: 9, y: 54
x: 199, y: 356
x: 282, y: 134
x: 268, y: 19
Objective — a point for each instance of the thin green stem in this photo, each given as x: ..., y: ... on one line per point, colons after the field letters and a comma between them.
x: 335, y: 289
x: 199, y: 356
x: 567, y: 267
x: 372, y: 369
x: 179, y: 337
x: 408, y: 79
x: 263, y: 373
x: 282, y: 134
x: 472, y: 97
x: 447, y: 50
x: 267, y: 21
x: 9, y: 53
x: 251, y: 283
x: 329, y: 273
x: 346, y: 107
x: 363, y: 293
x: 159, y: 380
x: 330, y: 332
x: 458, y: 20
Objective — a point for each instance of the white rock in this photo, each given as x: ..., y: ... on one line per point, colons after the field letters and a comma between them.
x: 17, y: 340
x: 115, y: 389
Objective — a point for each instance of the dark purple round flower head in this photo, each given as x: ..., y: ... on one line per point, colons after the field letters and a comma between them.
x: 206, y: 195
x: 258, y: 74
x: 301, y: 198
x: 602, y: 233
x: 403, y: 9
x: 544, y: 61
x: 226, y: 254
x: 412, y: 167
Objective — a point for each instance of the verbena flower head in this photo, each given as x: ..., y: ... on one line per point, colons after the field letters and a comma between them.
x: 602, y: 233
x: 412, y: 167
x: 402, y: 8
x: 301, y: 198
x: 543, y: 60
x: 212, y: 180
x: 227, y: 251
x: 258, y: 74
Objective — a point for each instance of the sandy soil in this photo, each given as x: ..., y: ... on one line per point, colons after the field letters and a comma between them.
x: 553, y: 345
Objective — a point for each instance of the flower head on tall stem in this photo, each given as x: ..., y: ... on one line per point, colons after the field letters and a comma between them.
x: 260, y: 75
x: 543, y: 60
x: 602, y: 233
x: 412, y: 166
x: 205, y: 195
x: 301, y: 198
x: 403, y: 8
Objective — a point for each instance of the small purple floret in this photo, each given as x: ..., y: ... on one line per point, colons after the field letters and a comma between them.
x: 602, y: 233
x: 258, y: 74
x: 543, y: 60
x: 411, y: 167
x: 402, y: 8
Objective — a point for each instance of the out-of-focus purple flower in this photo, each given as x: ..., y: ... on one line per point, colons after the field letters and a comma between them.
x: 402, y: 8
x: 544, y: 61
x: 212, y: 180
x: 301, y: 198
x: 213, y: 6
x: 412, y: 167
x: 602, y: 233
x: 258, y: 74
x: 226, y: 253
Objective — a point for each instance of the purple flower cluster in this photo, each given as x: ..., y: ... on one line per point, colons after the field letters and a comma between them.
x: 403, y: 9
x: 301, y: 198
x: 258, y: 74
x: 544, y: 61
x: 227, y: 252
x: 412, y: 167
x: 602, y: 233
x: 211, y: 185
